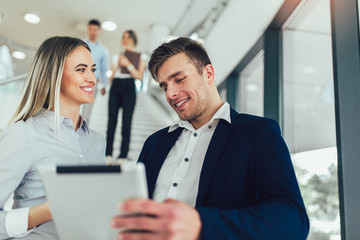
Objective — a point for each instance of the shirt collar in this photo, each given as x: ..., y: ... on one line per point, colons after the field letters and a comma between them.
x: 222, y: 113
x: 87, y: 40
x: 47, y: 117
x: 84, y: 124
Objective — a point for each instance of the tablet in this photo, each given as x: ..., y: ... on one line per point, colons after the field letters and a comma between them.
x: 83, y: 199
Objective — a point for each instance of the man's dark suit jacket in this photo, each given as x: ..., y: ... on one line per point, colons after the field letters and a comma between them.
x: 247, y: 189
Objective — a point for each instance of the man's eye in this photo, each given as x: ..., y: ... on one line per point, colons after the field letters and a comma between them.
x: 163, y: 87
x: 179, y: 80
x: 93, y: 69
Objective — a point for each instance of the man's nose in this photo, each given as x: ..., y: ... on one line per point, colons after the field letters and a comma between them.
x: 172, y: 92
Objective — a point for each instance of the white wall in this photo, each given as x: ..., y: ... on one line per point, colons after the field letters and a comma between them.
x: 237, y: 30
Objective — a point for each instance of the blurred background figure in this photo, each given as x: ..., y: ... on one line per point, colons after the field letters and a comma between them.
x: 100, y: 54
x: 127, y: 66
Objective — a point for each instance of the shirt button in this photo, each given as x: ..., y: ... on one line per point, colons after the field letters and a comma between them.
x: 186, y: 159
x: 175, y: 184
x: 81, y: 155
x: 195, y: 134
x: 209, y: 126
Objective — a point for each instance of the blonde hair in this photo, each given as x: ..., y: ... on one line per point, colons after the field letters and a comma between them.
x: 42, y: 87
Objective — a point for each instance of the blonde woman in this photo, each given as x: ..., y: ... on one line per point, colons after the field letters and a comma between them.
x: 47, y: 129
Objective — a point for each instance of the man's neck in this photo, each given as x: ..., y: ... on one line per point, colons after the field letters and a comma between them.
x: 202, y: 120
x: 93, y: 40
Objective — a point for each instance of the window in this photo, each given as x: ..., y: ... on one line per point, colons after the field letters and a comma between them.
x: 309, y: 114
x: 251, y: 87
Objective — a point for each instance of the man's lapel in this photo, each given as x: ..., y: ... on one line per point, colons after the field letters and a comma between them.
x: 163, y: 149
x: 215, y: 149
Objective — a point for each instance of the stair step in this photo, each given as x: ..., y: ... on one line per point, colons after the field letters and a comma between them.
x: 149, y: 117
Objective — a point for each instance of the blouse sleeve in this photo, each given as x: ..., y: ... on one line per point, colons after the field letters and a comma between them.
x: 15, y: 160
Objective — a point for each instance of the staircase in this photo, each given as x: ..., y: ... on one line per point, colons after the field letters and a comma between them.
x: 148, y: 117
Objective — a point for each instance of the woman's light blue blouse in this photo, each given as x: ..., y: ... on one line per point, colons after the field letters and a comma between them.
x: 26, y: 145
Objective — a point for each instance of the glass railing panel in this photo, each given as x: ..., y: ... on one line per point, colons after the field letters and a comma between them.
x: 15, y: 58
x: 10, y: 94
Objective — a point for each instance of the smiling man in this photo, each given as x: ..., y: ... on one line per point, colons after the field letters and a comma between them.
x: 216, y: 174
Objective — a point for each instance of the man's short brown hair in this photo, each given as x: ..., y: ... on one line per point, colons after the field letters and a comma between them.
x: 94, y: 22
x: 193, y: 50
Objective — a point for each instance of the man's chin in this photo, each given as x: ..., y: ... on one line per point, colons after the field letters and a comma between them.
x: 183, y: 117
x: 186, y: 117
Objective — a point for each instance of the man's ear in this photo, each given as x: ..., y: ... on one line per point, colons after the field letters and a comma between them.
x: 209, y: 74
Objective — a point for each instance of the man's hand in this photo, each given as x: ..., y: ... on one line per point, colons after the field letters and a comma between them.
x: 170, y: 219
x: 103, y: 91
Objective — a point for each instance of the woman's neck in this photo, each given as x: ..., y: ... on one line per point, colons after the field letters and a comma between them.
x: 130, y: 48
x: 73, y: 113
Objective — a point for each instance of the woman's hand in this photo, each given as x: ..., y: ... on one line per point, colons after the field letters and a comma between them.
x: 136, y: 73
x: 38, y: 215
x: 123, y: 61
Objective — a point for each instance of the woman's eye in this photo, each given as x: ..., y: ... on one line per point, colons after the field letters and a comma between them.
x: 93, y: 69
x: 81, y: 70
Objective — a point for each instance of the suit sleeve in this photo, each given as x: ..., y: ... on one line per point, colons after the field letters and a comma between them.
x: 278, y: 212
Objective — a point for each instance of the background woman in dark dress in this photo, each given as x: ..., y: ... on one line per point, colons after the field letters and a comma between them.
x: 123, y: 94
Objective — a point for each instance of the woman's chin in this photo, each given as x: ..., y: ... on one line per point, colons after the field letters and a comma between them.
x: 88, y: 101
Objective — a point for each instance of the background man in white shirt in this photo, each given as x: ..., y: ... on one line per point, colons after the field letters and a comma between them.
x: 100, y: 54
x: 216, y: 174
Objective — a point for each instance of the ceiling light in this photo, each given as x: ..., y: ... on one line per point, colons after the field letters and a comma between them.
x: 32, y: 18
x: 109, y: 26
x: 19, y: 55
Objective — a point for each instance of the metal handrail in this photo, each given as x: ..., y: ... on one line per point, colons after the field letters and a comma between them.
x: 17, y: 44
x: 14, y: 78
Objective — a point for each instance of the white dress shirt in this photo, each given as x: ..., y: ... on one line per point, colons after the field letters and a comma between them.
x: 24, y: 146
x: 180, y: 173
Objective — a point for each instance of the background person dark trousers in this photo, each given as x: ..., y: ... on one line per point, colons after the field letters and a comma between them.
x: 122, y: 95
